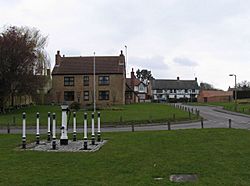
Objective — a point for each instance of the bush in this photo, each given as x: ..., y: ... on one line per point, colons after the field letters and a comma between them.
x: 75, y: 106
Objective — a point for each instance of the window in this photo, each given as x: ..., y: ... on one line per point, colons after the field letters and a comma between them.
x: 69, y: 96
x: 86, y: 80
x: 186, y: 90
x: 103, y: 95
x: 141, y: 88
x: 103, y: 80
x: 86, y: 95
x: 69, y: 81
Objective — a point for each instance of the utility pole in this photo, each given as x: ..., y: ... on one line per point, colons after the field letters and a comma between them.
x: 94, y: 83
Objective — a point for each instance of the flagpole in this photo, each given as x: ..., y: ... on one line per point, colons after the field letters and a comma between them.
x: 94, y: 82
x: 126, y: 61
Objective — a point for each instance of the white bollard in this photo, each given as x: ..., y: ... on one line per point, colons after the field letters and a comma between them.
x: 85, y: 146
x: 37, y: 128
x: 74, y: 126
x: 99, y: 127
x: 49, y: 132
x: 24, y: 132
x: 93, y: 129
x: 54, y: 132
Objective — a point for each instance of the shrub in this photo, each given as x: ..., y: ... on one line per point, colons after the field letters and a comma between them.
x: 75, y: 106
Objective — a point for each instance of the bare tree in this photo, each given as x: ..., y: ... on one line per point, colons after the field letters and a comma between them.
x: 144, y: 74
x: 23, y: 61
x: 244, y: 84
x: 206, y: 86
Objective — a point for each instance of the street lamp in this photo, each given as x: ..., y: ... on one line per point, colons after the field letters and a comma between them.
x: 126, y: 59
x: 235, y: 91
x: 94, y: 101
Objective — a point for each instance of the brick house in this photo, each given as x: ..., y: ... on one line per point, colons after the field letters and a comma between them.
x: 174, y: 90
x: 72, y: 80
x: 140, y: 90
x: 215, y: 96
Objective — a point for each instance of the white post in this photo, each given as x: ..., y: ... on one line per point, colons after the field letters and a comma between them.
x: 235, y: 82
x: 93, y: 129
x: 37, y: 128
x: 49, y: 132
x: 64, y: 136
x: 74, y: 126
x: 54, y: 132
x: 24, y: 131
x: 99, y: 127
x: 85, y: 146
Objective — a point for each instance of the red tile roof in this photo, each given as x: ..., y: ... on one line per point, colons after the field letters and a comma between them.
x: 84, y: 65
x: 136, y: 81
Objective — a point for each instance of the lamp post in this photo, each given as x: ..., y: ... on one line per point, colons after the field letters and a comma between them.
x: 94, y: 101
x: 126, y: 61
x: 235, y: 91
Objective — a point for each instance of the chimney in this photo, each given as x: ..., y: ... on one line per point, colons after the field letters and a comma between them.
x: 58, y: 58
x: 48, y: 72
x: 132, y: 78
x: 178, y: 78
x: 122, y: 61
x: 195, y: 79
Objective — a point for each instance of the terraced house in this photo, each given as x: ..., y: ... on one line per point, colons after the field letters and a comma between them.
x: 73, y: 80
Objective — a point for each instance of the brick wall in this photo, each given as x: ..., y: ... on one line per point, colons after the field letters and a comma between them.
x: 215, y: 99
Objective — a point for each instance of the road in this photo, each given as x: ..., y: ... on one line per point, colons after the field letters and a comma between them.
x: 214, y: 117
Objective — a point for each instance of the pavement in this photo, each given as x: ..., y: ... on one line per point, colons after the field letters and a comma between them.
x: 214, y: 117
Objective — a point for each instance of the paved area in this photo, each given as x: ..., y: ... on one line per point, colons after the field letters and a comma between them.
x: 73, y: 146
x: 214, y: 117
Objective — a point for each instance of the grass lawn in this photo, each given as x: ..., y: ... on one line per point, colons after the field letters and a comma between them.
x: 125, y: 114
x: 218, y: 156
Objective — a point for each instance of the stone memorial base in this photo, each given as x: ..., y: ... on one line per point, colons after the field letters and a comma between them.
x: 73, y: 146
x: 64, y: 141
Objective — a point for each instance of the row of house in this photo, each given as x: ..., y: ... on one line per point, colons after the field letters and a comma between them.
x: 103, y: 79
x: 173, y: 90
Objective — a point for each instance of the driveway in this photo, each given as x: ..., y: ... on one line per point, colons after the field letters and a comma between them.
x: 214, y: 117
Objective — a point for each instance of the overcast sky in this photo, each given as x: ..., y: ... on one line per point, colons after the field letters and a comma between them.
x: 207, y: 39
